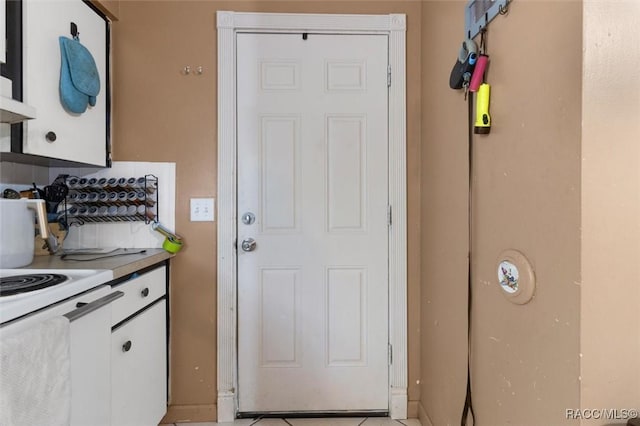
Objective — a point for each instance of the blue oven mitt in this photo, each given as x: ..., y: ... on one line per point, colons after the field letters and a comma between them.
x: 79, y: 78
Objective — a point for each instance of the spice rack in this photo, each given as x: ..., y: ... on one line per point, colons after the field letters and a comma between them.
x: 101, y: 200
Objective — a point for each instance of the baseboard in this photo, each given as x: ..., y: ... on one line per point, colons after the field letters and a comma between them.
x: 190, y: 413
x: 412, y: 409
x: 399, y: 402
x: 226, y: 406
x: 422, y: 416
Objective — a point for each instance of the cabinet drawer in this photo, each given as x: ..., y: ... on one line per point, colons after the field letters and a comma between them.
x: 138, y: 293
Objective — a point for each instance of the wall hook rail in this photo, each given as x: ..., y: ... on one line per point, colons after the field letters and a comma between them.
x: 479, y: 13
x: 187, y: 70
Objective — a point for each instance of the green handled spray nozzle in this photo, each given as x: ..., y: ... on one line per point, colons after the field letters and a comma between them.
x: 172, y: 243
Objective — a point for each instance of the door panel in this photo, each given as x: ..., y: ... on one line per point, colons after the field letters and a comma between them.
x: 280, y: 167
x: 346, y: 322
x: 312, y: 168
x: 279, y: 320
x: 346, y: 163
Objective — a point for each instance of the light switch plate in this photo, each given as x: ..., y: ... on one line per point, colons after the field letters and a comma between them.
x: 202, y: 210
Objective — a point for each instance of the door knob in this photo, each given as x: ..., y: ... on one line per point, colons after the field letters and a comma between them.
x: 249, y: 244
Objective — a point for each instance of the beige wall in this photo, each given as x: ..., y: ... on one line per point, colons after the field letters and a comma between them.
x: 526, y: 196
x: 538, y: 177
x: 444, y: 185
x: 610, y: 334
x: 161, y: 115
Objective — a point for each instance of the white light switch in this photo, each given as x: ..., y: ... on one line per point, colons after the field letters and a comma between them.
x: 202, y: 210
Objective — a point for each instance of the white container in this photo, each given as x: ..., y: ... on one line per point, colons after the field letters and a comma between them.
x: 17, y: 230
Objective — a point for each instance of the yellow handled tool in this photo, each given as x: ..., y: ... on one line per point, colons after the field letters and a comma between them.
x: 483, y: 119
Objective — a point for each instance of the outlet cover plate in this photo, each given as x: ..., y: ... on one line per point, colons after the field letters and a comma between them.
x: 202, y: 210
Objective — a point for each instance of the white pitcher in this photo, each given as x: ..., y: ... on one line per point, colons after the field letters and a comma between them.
x: 17, y: 231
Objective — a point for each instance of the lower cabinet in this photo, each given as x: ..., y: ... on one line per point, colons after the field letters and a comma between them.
x: 118, y: 350
x: 138, y: 369
x: 139, y: 351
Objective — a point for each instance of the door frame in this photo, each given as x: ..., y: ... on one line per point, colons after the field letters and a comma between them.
x: 229, y: 24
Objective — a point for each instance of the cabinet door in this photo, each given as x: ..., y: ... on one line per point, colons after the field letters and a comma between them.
x: 3, y: 19
x: 78, y: 137
x: 139, y: 369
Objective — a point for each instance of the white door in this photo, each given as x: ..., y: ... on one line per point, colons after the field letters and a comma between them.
x: 313, y: 195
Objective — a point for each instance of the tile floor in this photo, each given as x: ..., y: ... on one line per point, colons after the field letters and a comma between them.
x: 351, y: 421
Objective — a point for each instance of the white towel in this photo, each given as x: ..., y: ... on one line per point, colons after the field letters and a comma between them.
x: 35, y: 377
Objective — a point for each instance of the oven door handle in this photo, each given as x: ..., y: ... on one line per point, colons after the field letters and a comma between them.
x: 92, y: 306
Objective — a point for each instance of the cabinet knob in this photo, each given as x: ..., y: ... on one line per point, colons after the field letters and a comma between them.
x: 145, y: 292
x: 51, y: 136
x: 127, y: 346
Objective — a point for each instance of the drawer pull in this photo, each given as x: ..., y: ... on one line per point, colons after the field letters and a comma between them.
x: 145, y: 292
x: 86, y: 308
x: 127, y: 346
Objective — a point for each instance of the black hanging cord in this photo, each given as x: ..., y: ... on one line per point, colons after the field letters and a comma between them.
x: 65, y: 256
x: 468, y: 406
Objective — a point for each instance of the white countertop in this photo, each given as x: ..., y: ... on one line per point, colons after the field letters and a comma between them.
x: 85, y: 273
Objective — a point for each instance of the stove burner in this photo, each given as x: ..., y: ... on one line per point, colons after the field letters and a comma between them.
x: 17, y: 284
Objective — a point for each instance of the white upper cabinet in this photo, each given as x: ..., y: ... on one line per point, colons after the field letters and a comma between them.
x: 56, y: 132
x: 11, y: 110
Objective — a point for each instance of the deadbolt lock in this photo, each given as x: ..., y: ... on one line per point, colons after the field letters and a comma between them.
x: 248, y: 218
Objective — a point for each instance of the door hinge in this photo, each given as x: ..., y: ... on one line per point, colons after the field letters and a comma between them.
x: 389, y: 76
x: 389, y: 217
x: 390, y: 355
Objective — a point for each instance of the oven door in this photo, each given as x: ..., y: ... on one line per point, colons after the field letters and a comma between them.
x: 90, y: 342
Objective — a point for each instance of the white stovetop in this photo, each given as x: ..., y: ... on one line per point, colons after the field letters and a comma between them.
x: 80, y: 280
